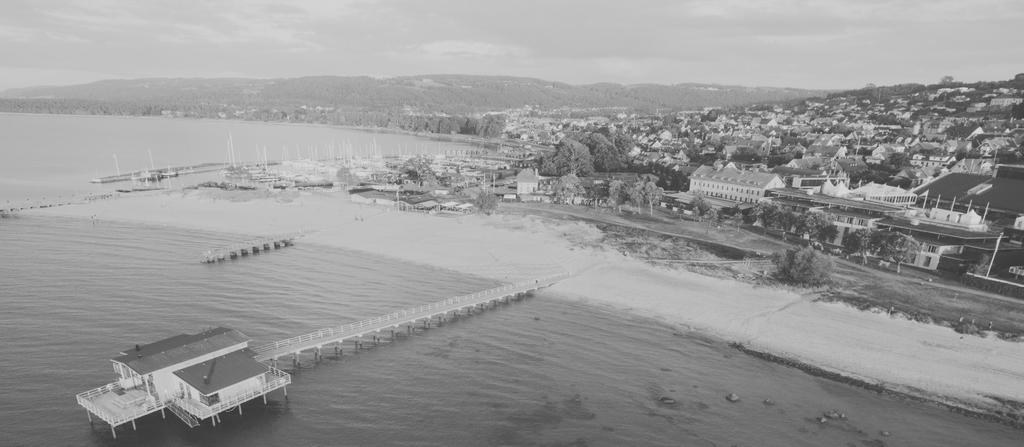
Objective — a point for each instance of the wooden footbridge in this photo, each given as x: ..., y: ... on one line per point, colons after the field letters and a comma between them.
x: 249, y: 247
x: 373, y: 327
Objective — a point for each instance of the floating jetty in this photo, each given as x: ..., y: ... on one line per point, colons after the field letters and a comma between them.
x: 199, y: 376
x: 159, y: 174
x: 246, y: 248
x: 12, y: 208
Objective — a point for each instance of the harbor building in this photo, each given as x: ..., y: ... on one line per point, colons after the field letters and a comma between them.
x: 195, y: 376
x: 733, y: 185
x: 950, y: 240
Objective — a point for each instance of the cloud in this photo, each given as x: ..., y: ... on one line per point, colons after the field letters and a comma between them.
x: 816, y: 43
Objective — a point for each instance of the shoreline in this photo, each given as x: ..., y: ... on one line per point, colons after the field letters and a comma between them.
x: 1012, y: 420
x: 978, y: 375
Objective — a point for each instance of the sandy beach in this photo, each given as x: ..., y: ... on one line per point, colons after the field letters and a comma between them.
x: 919, y: 359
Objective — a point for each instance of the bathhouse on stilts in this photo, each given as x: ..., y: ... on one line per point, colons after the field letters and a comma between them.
x: 194, y: 376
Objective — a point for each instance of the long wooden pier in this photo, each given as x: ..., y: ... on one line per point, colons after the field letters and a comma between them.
x: 249, y: 247
x: 315, y: 341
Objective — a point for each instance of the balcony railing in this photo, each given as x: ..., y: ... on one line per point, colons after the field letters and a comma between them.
x: 275, y: 379
x: 86, y: 399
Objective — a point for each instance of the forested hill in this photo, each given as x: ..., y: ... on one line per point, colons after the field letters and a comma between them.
x: 456, y: 94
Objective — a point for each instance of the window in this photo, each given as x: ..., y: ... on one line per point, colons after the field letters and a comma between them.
x: 212, y: 399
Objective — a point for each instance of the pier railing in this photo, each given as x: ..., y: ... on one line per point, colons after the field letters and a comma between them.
x: 402, y: 316
x: 85, y: 399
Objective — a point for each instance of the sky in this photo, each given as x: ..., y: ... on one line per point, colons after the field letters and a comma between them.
x: 827, y: 44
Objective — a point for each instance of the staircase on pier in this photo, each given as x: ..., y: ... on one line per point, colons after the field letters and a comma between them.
x: 188, y: 419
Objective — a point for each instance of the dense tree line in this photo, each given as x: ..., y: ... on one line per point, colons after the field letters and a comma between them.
x: 487, y: 126
x: 586, y: 152
x: 451, y: 94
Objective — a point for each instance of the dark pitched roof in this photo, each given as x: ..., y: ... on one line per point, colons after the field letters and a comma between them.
x: 784, y: 170
x: 218, y: 373
x: 939, y: 230
x: 830, y: 201
x: 998, y: 193
x: 179, y: 348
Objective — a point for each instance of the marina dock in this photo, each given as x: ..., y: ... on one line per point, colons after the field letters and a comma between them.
x: 250, y: 247
x: 159, y: 174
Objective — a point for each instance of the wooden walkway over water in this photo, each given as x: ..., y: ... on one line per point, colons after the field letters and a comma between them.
x: 249, y: 247
x: 117, y: 406
x: 440, y: 310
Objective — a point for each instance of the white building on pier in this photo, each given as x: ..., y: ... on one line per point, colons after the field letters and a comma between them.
x: 196, y: 376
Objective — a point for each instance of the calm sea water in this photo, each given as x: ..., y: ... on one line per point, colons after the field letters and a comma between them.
x: 545, y: 371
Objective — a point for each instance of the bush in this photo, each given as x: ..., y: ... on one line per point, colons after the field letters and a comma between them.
x: 803, y: 266
x: 485, y: 202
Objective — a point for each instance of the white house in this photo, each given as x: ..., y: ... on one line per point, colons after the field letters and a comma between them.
x: 527, y: 181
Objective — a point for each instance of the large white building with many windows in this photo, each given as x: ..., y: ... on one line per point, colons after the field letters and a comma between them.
x: 732, y: 184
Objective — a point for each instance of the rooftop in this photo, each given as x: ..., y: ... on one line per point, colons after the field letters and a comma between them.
x: 823, y: 199
x: 939, y: 230
x: 877, y: 189
x: 144, y: 359
x: 218, y: 373
x: 735, y: 176
x: 998, y: 193
x: 527, y: 176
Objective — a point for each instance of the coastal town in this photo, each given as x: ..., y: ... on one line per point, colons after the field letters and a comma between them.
x: 926, y: 178
x: 480, y: 223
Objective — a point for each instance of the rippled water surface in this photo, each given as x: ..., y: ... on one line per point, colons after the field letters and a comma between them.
x: 543, y: 371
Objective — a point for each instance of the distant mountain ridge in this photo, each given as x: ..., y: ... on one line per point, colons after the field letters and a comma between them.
x: 426, y: 93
